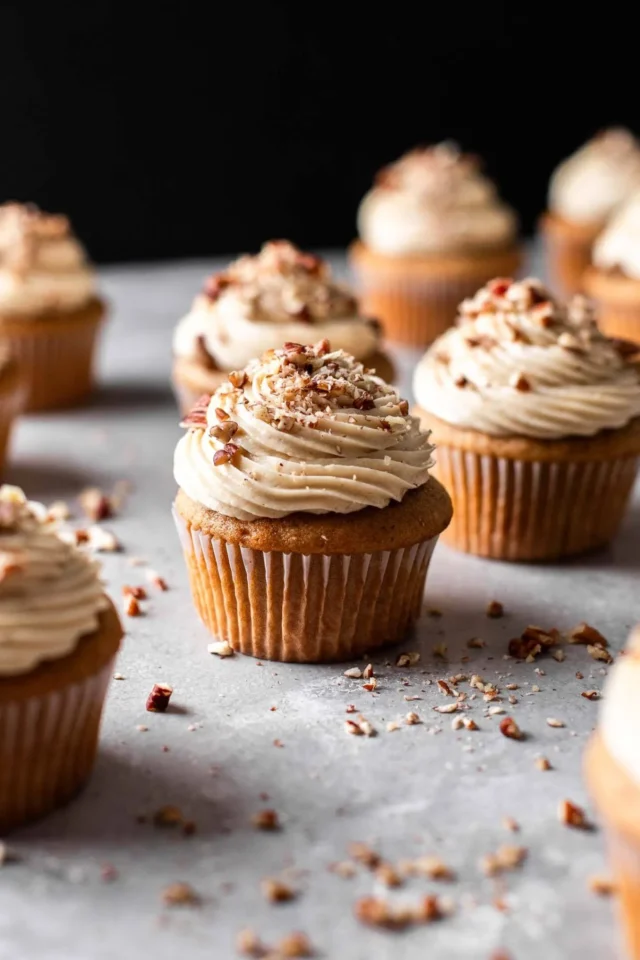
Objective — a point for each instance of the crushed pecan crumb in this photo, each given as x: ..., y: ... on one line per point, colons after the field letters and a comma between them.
x: 388, y: 875
x: 364, y: 854
x: 180, y: 895
x: 158, y: 699
x: 590, y: 694
x: 585, y: 633
x: 131, y: 606
x: 542, y: 763
x: 495, y: 609
x: 95, y: 504
x: 168, y: 816
x: 509, y: 728
x: 602, y: 886
x: 409, y: 659
x: 553, y: 722
x: 220, y: 648
x: 571, y: 815
x: 276, y: 891
x: 266, y: 820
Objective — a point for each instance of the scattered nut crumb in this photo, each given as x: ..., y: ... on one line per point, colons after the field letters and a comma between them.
x: 157, y: 581
x: 584, y: 633
x: 509, y: 728
x: 276, y: 891
x: 220, y: 648
x: 344, y: 869
x: 507, y: 857
x: 180, y: 895
x: 294, y: 945
x: 571, y: 815
x: 266, y: 820
x: 95, y: 504
x: 364, y: 854
x: 353, y: 673
x: 599, y: 653
x: 542, y: 763
x: 559, y: 654
x: 475, y: 643
x: 99, y: 540
x: 444, y: 687
x: 495, y: 609
x: 386, y: 874
x: 119, y: 676
x: 469, y: 723
x: 434, y: 868
x: 590, y: 694
x: 446, y: 707
x: 248, y: 944
x: 168, y: 816
x: 510, y: 824
x: 440, y: 650
x: 360, y: 728
x: 131, y: 606
x: 158, y: 699
x: 602, y: 886
x: 408, y: 659
x: 457, y: 722
x: 367, y: 673
x: 393, y: 725
x: 411, y: 719
x: 552, y: 722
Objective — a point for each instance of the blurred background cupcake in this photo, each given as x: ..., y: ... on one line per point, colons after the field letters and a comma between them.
x: 536, y: 419
x: 59, y: 635
x: 585, y: 190
x: 614, y: 279
x: 12, y: 396
x: 280, y: 295
x: 49, y: 310
x: 306, y: 511
x: 432, y: 230
x: 612, y: 769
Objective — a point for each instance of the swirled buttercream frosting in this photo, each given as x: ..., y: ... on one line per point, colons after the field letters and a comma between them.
x: 519, y: 363
x: 280, y: 295
x: 50, y: 592
x: 43, y: 267
x: 434, y: 200
x: 304, y: 429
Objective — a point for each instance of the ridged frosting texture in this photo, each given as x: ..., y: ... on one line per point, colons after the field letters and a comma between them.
x: 280, y: 295
x: 50, y: 592
x: 43, y: 267
x: 591, y: 184
x: 518, y: 363
x: 620, y: 710
x: 304, y: 429
x: 434, y: 200
x: 618, y: 246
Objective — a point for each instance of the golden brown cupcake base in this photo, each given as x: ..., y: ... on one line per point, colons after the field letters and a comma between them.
x: 310, y: 588
x: 55, y: 353
x: 521, y: 499
x: 618, y: 302
x: 192, y: 379
x: 568, y: 250
x: 49, y: 724
x: 12, y: 394
x: 618, y: 800
x: 417, y: 298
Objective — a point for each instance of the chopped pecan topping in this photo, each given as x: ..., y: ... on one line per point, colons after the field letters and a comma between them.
x: 237, y: 378
x: 197, y: 416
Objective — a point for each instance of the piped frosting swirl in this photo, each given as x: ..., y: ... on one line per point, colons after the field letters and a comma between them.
x: 302, y: 429
x: 43, y: 267
x: 279, y: 295
x: 519, y: 363
x: 434, y: 200
x: 50, y: 592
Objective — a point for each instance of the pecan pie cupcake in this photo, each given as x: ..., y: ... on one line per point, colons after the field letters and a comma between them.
x: 59, y: 635
x: 584, y: 192
x: 49, y: 311
x: 432, y: 230
x: 306, y: 509
x: 12, y: 395
x: 281, y: 295
x: 536, y: 416
x: 612, y: 768
x: 614, y: 279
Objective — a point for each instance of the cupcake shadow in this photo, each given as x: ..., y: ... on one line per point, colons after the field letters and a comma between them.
x: 141, y: 396
x: 46, y: 480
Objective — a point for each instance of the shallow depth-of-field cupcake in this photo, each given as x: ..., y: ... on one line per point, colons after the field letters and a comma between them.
x: 614, y: 279
x: 49, y: 311
x: 306, y: 509
x: 432, y: 230
x: 12, y: 394
x: 613, y: 774
x: 281, y: 295
x: 59, y: 635
x: 536, y: 419
x: 584, y: 192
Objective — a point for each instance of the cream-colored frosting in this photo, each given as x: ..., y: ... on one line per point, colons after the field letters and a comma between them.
x: 314, y: 433
x: 434, y: 200
x: 518, y: 363
x: 620, y: 710
x: 590, y: 185
x: 43, y: 267
x: 281, y: 295
x: 50, y: 592
x: 618, y: 246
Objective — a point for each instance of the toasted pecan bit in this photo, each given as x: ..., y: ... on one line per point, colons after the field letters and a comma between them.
x: 180, y: 895
x: 434, y: 868
x: 553, y: 722
x: 370, y: 685
x: 99, y: 540
x: 237, y: 378
x: 596, y: 652
x: 542, y: 763
x: 590, y: 694
x: 276, y: 891
x: 387, y: 875
x: 364, y: 854
x: 220, y: 648
x: 265, y: 820
x: 510, y: 824
x: 131, y: 606
x: 412, y: 719
x: 197, y: 416
x: 559, y: 655
x: 572, y: 815
x: 139, y: 593
x: 294, y: 945
x: 444, y: 688
x: 521, y: 383
x: 344, y: 869
x: 168, y: 816
x: 602, y: 886
x: 579, y: 676
x: 475, y: 643
x: 506, y: 857
x: 434, y: 612
x: 495, y: 609
x: 447, y: 707
x: 509, y: 728
x: 350, y: 708
x: 403, y: 407
x: 158, y: 699
x: 248, y: 944
x: 584, y: 633
x: 157, y: 581
x: 393, y: 725
x: 367, y: 673
x: 375, y: 912
x: 469, y: 723
x: 353, y: 673
x: 461, y: 382
x: 353, y: 728
x: 407, y: 659
x: 95, y: 504
x: 221, y: 414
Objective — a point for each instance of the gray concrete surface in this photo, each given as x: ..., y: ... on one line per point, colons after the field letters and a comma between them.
x: 422, y: 789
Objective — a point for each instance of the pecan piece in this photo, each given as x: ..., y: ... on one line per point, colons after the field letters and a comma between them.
x: 509, y: 728
x: 158, y: 699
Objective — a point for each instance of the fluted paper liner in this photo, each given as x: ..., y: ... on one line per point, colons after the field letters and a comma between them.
x: 532, y: 510
x: 304, y: 608
x: 12, y: 398
x: 619, y: 319
x: 568, y: 255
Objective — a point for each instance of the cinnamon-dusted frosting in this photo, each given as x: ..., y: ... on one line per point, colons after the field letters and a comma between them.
x: 590, y: 185
x: 281, y: 295
x: 43, y: 267
x: 620, y: 711
x: 518, y: 363
x: 304, y: 429
x: 618, y: 246
x: 50, y: 592
x: 434, y: 200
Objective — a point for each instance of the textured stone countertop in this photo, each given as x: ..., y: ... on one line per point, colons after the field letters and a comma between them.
x: 240, y: 731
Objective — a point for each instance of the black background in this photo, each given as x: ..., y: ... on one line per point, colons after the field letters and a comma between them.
x: 179, y: 129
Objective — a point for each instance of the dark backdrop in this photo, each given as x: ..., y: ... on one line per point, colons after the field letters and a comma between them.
x: 175, y: 129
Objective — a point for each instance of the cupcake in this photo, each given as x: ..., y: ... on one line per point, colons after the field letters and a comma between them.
x: 49, y: 310
x: 12, y: 395
x: 432, y: 230
x: 306, y: 510
x: 584, y: 192
x: 281, y: 295
x: 612, y: 768
x: 59, y: 635
x: 536, y: 417
x: 614, y: 279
